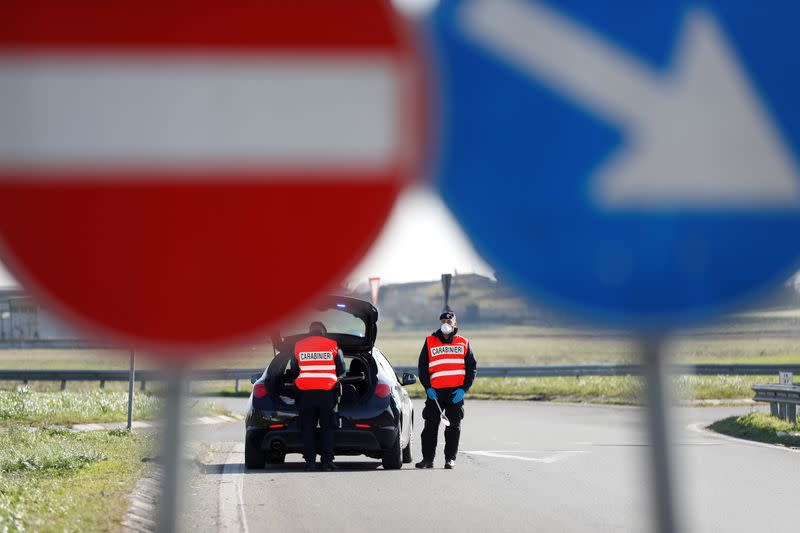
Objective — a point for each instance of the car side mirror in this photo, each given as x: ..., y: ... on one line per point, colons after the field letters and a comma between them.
x: 254, y: 378
x: 408, y: 378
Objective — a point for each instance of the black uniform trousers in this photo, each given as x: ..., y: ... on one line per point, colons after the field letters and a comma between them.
x: 322, y: 406
x: 432, y: 416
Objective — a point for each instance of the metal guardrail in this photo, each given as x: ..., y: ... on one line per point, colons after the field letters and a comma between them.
x: 783, y: 399
x: 622, y: 370
x: 485, y: 371
x: 54, y: 344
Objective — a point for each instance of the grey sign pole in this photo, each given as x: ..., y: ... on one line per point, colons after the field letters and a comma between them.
x: 658, y: 393
x: 446, y: 279
x: 131, y: 379
x: 171, y: 445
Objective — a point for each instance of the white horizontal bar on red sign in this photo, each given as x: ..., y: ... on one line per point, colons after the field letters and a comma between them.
x: 273, y: 113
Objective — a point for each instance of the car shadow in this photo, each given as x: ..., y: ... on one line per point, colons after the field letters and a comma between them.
x: 300, y: 468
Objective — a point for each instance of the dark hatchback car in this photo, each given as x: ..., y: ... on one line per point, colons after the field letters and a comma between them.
x: 376, y: 416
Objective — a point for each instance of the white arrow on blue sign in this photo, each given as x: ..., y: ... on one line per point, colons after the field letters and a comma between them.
x: 635, y: 163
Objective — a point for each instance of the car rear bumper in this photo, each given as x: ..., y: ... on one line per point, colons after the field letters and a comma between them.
x: 345, y: 441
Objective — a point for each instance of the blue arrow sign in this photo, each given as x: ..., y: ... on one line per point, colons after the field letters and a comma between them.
x: 637, y: 163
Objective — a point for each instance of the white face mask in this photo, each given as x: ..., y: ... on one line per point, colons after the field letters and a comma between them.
x: 446, y: 328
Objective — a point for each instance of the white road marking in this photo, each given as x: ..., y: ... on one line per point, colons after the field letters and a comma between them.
x: 232, y: 516
x: 549, y: 456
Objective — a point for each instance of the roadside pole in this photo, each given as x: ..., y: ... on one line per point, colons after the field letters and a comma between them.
x: 657, y: 391
x: 131, y: 379
x: 171, y: 446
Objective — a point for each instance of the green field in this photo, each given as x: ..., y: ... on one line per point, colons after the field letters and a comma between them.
x: 492, y: 346
x: 767, y: 337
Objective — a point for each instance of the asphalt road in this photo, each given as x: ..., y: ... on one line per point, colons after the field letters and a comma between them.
x: 523, y: 466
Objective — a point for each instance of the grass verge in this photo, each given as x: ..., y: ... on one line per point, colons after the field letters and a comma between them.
x: 25, y: 407
x: 625, y: 390
x: 36, y: 408
x: 606, y: 389
x: 760, y: 427
x: 58, y: 480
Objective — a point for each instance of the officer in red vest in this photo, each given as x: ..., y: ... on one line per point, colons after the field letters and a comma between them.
x: 447, y: 368
x: 318, y: 363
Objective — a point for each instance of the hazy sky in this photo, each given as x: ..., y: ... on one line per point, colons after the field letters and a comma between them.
x: 5, y: 277
x: 420, y: 241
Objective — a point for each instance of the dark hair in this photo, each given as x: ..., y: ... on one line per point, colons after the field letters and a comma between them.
x: 317, y: 328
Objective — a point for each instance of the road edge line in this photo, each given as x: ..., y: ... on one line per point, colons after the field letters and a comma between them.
x: 699, y: 427
x: 231, y: 516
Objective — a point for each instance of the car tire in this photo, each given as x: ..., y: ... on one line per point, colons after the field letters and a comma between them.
x: 276, y: 458
x: 408, y: 451
x: 393, y: 457
x: 254, y: 456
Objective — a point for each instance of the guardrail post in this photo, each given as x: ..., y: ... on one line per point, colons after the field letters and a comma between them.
x: 24, y: 382
x: 102, y: 384
x: 63, y: 385
x: 142, y: 386
x: 792, y: 412
x: 237, y: 385
x: 782, y: 410
x: 131, y: 380
x: 773, y: 409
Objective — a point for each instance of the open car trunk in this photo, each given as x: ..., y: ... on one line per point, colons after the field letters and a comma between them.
x: 365, y: 312
x: 358, y: 380
x: 356, y: 384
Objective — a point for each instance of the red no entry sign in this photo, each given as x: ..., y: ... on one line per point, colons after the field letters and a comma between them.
x: 179, y: 173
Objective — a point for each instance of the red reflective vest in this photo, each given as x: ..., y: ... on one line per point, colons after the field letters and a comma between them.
x: 446, y: 366
x: 316, y: 357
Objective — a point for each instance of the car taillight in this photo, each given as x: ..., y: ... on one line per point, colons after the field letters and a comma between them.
x: 363, y: 426
x: 382, y: 390
x: 259, y: 390
x: 277, y: 426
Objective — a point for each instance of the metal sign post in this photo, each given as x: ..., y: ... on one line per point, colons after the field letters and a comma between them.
x: 171, y: 446
x: 446, y: 280
x: 657, y: 393
x: 131, y: 379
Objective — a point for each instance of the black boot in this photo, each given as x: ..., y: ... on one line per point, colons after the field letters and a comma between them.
x: 328, y: 466
x: 425, y: 463
x: 450, y: 464
x: 311, y: 466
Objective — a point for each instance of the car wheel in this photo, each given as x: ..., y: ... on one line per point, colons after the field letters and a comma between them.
x: 276, y: 458
x: 408, y: 451
x: 254, y: 456
x: 393, y: 457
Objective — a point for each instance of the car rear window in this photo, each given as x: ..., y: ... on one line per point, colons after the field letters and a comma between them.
x: 335, y: 320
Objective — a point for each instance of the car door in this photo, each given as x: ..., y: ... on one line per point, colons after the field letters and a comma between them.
x: 405, y: 403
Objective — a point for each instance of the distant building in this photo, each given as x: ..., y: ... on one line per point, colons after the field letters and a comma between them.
x: 21, y: 318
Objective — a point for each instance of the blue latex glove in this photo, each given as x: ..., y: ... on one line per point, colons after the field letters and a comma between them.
x: 458, y: 395
x: 432, y: 394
